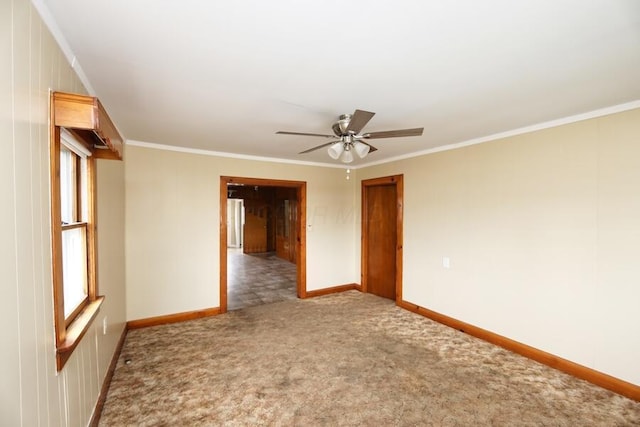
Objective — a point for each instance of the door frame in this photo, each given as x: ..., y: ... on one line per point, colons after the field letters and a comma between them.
x: 301, y: 243
x: 398, y: 181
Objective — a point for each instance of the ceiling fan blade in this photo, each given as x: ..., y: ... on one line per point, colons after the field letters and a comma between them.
x: 318, y: 147
x: 394, y: 133
x: 281, y: 132
x: 359, y: 120
x: 371, y: 147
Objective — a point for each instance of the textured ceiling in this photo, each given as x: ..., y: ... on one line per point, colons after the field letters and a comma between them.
x: 225, y: 76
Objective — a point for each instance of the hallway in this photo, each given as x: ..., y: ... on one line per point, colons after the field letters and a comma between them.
x: 258, y: 279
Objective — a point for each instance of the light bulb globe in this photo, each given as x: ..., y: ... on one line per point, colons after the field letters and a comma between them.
x: 335, y: 150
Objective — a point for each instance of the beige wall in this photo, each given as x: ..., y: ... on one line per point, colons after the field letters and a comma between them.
x: 172, y: 227
x: 111, y: 257
x: 31, y: 392
x: 543, y: 235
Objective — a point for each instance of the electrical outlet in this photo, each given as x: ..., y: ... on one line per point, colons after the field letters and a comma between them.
x: 104, y: 325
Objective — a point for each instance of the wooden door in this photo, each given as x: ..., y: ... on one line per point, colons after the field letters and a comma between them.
x: 381, y: 242
x: 255, y: 227
x: 293, y: 234
x: 287, y: 224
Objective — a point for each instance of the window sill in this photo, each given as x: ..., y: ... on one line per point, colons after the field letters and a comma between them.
x: 76, y: 330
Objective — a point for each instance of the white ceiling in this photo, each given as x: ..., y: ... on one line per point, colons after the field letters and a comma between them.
x: 226, y: 75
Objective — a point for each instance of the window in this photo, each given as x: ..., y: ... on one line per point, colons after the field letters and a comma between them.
x: 80, y: 132
x: 73, y: 234
x: 74, y: 219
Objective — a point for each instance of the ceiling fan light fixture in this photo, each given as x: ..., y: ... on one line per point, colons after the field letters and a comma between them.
x: 335, y: 150
x: 347, y: 156
x: 362, y: 149
x: 348, y: 129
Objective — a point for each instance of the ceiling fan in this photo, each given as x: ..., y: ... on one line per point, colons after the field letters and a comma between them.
x: 347, y: 129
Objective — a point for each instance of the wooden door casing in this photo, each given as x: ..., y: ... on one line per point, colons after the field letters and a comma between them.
x: 300, y: 190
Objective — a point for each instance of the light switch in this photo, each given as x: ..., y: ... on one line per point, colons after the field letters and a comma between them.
x: 446, y: 263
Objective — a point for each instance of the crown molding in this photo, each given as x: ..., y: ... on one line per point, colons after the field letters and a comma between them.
x: 155, y: 146
x: 519, y: 131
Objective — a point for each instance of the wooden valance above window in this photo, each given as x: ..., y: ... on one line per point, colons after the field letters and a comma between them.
x: 85, y: 117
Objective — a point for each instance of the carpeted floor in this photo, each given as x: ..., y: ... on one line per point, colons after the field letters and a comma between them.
x: 346, y: 359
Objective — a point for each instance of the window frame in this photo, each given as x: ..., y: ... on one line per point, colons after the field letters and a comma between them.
x: 70, y: 329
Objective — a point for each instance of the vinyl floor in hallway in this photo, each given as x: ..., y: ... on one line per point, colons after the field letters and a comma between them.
x: 255, y: 279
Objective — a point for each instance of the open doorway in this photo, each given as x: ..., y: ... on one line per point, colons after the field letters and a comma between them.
x: 262, y: 240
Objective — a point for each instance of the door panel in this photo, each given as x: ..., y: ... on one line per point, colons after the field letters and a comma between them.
x: 255, y: 227
x: 381, y: 239
x: 293, y: 233
x: 286, y: 229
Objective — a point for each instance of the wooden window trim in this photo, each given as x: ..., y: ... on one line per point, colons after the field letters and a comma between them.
x: 76, y: 330
x: 71, y: 329
x: 85, y: 118
x: 74, y: 225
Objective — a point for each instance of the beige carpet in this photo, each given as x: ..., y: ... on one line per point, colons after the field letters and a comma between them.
x: 346, y: 359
